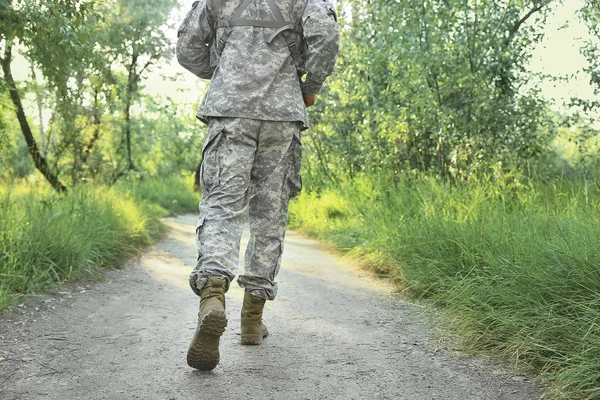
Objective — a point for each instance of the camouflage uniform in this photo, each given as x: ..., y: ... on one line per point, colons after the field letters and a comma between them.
x: 255, y: 112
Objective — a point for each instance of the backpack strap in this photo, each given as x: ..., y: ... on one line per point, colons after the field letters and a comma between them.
x: 275, y: 10
x: 253, y: 22
x: 236, y: 14
x: 282, y: 26
x: 241, y: 8
x: 288, y: 33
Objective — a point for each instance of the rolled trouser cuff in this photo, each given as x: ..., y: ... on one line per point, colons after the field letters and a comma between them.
x: 198, y: 280
x: 258, y: 287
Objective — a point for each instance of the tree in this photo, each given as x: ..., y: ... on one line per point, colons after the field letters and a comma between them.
x: 590, y: 14
x: 48, y: 33
x: 89, y: 58
x: 432, y: 86
x: 135, y: 41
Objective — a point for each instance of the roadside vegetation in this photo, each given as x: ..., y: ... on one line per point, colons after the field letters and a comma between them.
x: 47, y: 238
x: 432, y: 162
x: 89, y: 160
x: 515, y: 266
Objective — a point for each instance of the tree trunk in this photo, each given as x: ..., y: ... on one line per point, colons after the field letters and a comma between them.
x: 131, y: 86
x: 40, y: 106
x: 96, y: 122
x: 40, y: 162
x: 322, y: 162
x: 130, y: 165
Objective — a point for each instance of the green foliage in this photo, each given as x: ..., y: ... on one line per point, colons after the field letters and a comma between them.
x: 87, y: 59
x: 172, y: 138
x: 590, y: 15
x: 46, y: 239
x: 174, y: 194
x: 141, y: 22
x: 15, y: 161
x: 52, y: 34
x: 431, y: 86
x: 4, y: 135
x: 130, y: 32
x: 514, y: 264
x: 576, y: 151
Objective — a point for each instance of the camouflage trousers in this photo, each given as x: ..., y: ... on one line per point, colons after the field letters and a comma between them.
x: 254, y: 166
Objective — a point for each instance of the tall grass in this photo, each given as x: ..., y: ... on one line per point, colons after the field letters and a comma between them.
x: 46, y: 239
x: 516, y: 266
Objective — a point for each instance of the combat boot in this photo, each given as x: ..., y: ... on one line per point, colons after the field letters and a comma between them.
x: 253, y: 329
x: 203, y: 353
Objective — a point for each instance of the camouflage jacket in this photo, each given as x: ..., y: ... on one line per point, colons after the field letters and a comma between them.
x: 252, y: 72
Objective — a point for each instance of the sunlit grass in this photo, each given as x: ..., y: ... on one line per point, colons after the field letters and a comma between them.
x: 174, y: 194
x: 46, y: 239
x: 516, y: 266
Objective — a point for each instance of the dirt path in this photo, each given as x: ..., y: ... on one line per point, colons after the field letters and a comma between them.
x: 334, y: 335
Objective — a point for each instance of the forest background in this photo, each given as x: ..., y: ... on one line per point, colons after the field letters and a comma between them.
x: 435, y: 157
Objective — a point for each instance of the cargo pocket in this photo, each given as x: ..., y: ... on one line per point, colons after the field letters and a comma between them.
x: 210, y: 168
x: 294, y: 179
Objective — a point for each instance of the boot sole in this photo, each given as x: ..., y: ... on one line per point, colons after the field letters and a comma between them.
x: 203, y: 353
x: 253, y: 339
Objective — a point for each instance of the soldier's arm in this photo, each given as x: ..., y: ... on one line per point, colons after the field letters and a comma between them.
x: 193, y: 40
x: 321, y: 32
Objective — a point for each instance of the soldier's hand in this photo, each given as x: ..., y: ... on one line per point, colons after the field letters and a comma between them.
x: 309, y: 99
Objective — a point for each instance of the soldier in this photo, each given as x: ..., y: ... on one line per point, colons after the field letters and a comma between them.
x: 267, y: 60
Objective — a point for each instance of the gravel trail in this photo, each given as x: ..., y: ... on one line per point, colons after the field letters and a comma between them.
x: 335, y: 333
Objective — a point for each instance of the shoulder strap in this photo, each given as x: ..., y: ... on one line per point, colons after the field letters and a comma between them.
x: 275, y: 10
x: 251, y: 22
x: 280, y: 24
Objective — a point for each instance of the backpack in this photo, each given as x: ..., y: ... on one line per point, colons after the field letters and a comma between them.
x: 292, y: 33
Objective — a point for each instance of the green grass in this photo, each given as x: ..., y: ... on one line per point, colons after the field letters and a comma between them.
x: 46, y: 239
x: 173, y: 194
x: 516, y: 267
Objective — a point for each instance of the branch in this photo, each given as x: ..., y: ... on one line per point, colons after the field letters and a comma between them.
x: 154, y: 57
x: 515, y: 28
x: 96, y: 135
